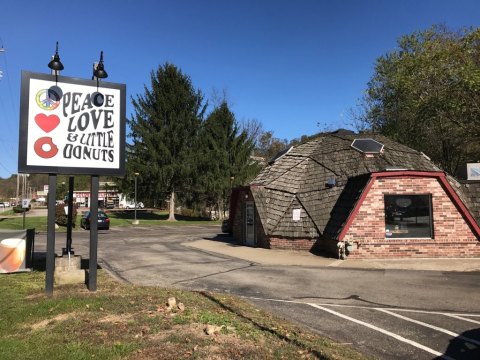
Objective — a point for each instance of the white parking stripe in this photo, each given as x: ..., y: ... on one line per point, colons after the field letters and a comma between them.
x: 445, y: 331
x: 366, y: 307
x: 436, y: 312
x: 383, y: 331
x: 462, y: 318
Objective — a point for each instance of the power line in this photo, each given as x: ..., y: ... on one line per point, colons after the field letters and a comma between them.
x: 8, y: 171
x: 10, y: 131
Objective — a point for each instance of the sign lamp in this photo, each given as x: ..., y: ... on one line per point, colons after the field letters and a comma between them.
x: 55, y: 63
x: 100, y: 72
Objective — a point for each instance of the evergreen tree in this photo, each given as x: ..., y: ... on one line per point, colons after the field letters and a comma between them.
x: 163, y: 131
x: 223, y: 159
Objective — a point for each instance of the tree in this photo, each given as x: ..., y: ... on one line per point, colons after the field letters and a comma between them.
x: 253, y: 128
x: 268, y: 145
x: 163, y: 131
x: 426, y: 94
x: 223, y: 158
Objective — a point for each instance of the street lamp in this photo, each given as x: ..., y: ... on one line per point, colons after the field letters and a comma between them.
x: 135, y: 221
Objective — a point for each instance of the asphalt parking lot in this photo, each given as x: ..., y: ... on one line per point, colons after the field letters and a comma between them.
x: 387, y: 313
x: 388, y: 333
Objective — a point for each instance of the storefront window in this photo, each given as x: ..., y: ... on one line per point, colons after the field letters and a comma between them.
x: 408, y: 216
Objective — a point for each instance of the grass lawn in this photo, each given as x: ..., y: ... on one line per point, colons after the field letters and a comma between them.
x: 122, y: 321
x: 117, y: 218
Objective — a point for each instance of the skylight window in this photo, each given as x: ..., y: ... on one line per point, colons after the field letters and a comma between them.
x: 367, y: 146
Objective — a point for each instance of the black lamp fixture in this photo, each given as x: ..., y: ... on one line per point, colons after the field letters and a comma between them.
x: 99, y: 71
x: 55, y: 64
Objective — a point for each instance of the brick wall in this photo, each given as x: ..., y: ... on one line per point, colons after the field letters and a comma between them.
x: 452, y: 235
x: 291, y: 244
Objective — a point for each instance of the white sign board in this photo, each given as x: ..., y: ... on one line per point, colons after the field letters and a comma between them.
x: 473, y: 171
x: 71, y: 126
x: 25, y: 203
x: 296, y: 214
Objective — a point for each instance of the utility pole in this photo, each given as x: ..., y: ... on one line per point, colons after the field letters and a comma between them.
x: 2, y: 49
x: 18, y: 187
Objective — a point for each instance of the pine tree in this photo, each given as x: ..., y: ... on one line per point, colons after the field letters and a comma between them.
x: 163, y: 130
x: 223, y: 160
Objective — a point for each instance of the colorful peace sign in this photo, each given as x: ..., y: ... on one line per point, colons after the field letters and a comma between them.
x: 47, y: 99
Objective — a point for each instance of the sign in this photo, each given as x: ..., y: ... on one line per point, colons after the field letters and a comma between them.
x: 16, y: 250
x: 25, y: 203
x: 296, y: 214
x: 71, y: 126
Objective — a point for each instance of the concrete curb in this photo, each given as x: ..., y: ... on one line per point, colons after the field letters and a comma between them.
x: 296, y: 258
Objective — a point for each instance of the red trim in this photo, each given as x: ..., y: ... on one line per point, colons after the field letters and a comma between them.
x: 437, y: 174
x: 460, y: 206
x: 356, y: 209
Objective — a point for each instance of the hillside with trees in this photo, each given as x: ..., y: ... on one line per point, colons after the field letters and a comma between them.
x: 426, y: 94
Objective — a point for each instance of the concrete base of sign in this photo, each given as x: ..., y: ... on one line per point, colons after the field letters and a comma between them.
x: 135, y: 222
x: 68, y: 270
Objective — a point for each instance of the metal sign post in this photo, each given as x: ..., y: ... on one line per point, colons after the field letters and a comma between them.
x: 92, y: 266
x: 50, y: 266
x: 68, y: 248
x: 25, y: 205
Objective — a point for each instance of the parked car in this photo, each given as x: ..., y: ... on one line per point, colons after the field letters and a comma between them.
x: 132, y: 205
x: 103, y: 220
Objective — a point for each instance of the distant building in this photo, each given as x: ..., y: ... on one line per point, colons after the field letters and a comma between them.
x: 108, y: 196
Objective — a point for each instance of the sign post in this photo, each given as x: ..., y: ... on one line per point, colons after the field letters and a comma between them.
x: 50, y: 264
x: 74, y: 127
x: 92, y: 264
x: 25, y: 205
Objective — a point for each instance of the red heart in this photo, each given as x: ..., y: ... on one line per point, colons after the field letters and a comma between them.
x: 47, y: 123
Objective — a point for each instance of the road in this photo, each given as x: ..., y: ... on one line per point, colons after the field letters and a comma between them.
x: 389, y: 314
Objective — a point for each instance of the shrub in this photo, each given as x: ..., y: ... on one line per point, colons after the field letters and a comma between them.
x: 61, y: 218
x: 19, y: 209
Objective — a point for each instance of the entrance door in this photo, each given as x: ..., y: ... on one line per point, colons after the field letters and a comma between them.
x: 249, y: 224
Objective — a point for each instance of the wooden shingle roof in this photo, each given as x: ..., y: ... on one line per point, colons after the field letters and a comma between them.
x: 471, y: 193
x: 299, y: 180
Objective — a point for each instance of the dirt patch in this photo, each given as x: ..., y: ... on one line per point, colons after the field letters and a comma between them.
x: 193, y: 342
x: 116, y: 319
x: 44, y: 323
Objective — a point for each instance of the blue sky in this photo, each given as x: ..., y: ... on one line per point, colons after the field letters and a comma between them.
x: 292, y: 65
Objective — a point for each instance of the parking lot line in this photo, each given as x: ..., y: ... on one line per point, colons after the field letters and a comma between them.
x: 445, y: 331
x: 383, y: 331
x: 462, y: 318
x: 392, y: 311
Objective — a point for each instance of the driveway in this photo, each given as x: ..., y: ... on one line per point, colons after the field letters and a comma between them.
x: 388, y: 313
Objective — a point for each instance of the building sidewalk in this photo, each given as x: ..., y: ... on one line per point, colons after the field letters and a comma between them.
x: 298, y: 258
